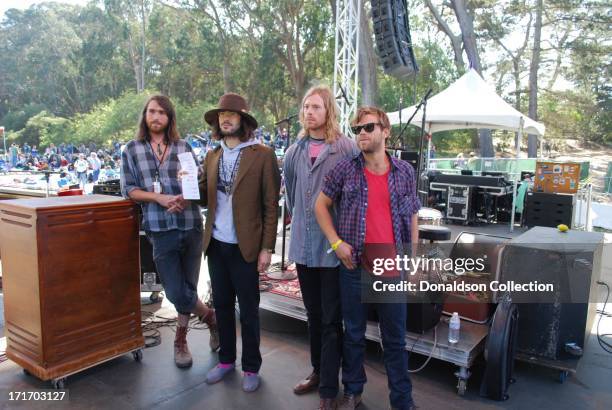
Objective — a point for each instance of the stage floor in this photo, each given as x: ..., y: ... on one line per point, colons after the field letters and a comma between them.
x: 156, y: 383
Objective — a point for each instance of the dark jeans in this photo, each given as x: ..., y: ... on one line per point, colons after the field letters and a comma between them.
x: 232, y: 276
x: 321, y: 294
x: 392, y: 319
x: 178, y: 255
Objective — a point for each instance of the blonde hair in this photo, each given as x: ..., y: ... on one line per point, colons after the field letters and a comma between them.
x: 332, y: 129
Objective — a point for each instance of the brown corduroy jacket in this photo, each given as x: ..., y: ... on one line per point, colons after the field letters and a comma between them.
x: 254, y: 202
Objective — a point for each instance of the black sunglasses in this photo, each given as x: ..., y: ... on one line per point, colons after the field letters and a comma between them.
x: 369, y: 127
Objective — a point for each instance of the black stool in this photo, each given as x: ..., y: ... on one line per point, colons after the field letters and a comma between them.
x: 434, y: 233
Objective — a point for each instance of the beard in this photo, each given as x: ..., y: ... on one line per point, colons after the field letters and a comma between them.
x: 372, y: 146
x: 235, y: 131
x: 156, y: 127
x: 317, y: 127
x: 231, y: 133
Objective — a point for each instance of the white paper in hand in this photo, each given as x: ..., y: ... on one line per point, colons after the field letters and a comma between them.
x: 189, y: 180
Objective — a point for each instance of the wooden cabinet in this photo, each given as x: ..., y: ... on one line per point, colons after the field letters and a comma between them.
x: 71, y: 282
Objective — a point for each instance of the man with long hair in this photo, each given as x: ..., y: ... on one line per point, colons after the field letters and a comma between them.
x: 376, y: 205
x: 320, y: 147
x: 240, y: 184
x: 149, y: 176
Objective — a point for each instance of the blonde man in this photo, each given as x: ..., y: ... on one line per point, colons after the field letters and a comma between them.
x: 320, y: 147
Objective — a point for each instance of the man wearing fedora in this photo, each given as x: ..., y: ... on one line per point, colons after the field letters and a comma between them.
x: 240, y: 184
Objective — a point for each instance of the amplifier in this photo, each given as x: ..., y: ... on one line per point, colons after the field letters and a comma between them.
x: 547, y: 209
x: 571, y: 262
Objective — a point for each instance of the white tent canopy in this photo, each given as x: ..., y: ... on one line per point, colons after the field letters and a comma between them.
x: 469, y: 103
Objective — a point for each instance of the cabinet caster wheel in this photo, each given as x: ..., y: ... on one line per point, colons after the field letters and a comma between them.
x: 137, y: 355
x: 26, y: 372
x: 59, y: 384
x: 461, y: 387
x: 562, y: 376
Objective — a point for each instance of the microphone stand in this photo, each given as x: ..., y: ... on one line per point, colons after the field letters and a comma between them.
x: 422, y: 160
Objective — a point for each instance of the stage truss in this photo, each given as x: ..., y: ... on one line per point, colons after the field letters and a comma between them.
x: 346, y: 63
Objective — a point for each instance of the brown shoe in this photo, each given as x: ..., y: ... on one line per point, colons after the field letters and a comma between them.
x: 328, y: 404
x: 350, y: 401
x: 211, y: 320
x: 311, y: 383
x: 182, y: 356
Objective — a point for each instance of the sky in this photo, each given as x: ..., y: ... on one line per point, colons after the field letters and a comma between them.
x: 24, y: 4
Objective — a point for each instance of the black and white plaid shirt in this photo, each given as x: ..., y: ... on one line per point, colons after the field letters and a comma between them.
x: 138, y: 169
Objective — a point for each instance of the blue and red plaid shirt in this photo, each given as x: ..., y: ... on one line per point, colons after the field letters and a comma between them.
x: 347, y: 186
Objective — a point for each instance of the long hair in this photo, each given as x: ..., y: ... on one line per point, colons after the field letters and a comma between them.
x: 244, y: 133
x: 332, y: 129
x: 171, y: 132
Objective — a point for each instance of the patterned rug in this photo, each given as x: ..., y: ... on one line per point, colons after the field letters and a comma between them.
x: 289, y: 288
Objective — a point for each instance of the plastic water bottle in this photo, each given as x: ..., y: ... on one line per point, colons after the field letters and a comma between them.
x: 454, y: 324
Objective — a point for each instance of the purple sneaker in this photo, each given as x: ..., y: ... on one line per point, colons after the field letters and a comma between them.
x: 250, y: 382
x: 217, y: 373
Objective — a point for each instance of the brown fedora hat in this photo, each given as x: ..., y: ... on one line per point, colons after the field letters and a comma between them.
x: 231, y: 102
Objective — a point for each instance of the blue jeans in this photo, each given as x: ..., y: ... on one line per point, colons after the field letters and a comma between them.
x: 392, y: 319
x: 178, y: 255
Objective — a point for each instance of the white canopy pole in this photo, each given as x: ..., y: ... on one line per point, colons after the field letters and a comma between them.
x: 428, y: 146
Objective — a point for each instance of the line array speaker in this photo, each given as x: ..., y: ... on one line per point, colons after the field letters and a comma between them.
x: 392, y: 32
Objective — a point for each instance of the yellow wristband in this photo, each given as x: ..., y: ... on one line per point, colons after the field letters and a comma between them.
x: 335, y: 245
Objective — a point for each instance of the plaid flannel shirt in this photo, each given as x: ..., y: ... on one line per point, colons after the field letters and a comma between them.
x: 347, y: 186
x: 138, y: 169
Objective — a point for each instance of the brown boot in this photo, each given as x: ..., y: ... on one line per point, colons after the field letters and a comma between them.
x: 182, y: 356
x: 211, y: 320
x: 328, y: 404
x: 350, y: 401
x: 310, y: 383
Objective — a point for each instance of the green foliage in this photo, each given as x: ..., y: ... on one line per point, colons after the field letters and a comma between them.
x: 69, y: 73
x: 42, y: 129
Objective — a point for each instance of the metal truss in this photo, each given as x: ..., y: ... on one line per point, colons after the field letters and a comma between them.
x: 346, y: 63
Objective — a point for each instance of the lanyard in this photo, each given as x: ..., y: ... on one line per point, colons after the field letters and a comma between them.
x: 225, y: 182
x: 155, y: 159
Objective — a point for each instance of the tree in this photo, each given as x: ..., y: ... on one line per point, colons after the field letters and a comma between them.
x: 132, y: 17
x: 368, y: 61
x: 532, y: 146
x: 299, y: 27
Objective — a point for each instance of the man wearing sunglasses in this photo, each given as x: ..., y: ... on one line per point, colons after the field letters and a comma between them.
x: 376, y: 205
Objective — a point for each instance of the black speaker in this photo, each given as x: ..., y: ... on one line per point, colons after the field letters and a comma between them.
x: 420, y: 317
x: 393, y: 42
x: 411, y: 157
x: 549, y: 321
x: 547, y: 209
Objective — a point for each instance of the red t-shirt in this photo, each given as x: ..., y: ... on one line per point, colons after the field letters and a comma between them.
x: 379, y: 228
x: 379, y: 238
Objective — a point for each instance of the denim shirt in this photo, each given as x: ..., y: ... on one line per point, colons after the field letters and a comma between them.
x: 303, y: 181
